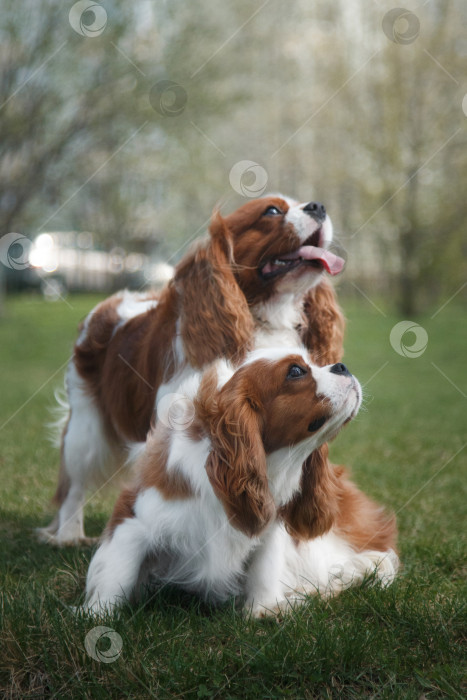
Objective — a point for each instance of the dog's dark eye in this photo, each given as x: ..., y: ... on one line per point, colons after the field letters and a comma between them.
x: 316, y: 424
x: 272, y: 211
x: 295, y: 371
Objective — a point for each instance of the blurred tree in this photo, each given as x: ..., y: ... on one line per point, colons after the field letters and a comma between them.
x: 387, y: 137
x: 132, y: 133
x: 412, y: 105
x: 59, y: 94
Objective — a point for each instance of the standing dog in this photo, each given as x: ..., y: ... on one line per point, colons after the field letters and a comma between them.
x: 255, y: 282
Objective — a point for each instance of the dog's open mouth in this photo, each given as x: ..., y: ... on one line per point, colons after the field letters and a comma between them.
x: 310, y: 254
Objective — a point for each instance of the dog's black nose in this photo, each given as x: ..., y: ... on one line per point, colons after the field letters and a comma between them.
x: 316, y: 210
x: 340, y: 368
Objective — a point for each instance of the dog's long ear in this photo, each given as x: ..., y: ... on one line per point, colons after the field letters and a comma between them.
x: 236, y: 467
x: 314, y: 508
x: 323, y: 331
x: 362, y: 522
x: 215, y: 320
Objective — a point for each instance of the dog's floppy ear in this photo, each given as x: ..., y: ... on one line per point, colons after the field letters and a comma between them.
x: 215, y: 320
x: 314, y: 507
x: 236, y: 466
x: 363, y: 523
x: 323, y: 330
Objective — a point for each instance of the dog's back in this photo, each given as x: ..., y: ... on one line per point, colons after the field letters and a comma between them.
x: 121, y: 361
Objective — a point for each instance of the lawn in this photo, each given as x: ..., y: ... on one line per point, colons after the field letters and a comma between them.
x: 405, y: 449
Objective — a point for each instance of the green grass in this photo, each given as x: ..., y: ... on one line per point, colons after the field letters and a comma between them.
x: 405, y: 450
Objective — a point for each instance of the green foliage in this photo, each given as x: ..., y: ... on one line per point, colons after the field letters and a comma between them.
x: 403, y: 642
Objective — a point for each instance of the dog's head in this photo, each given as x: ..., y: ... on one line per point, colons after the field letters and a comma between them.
x: 280, y: 246
x: 268, y: 247
x: 277, y: 399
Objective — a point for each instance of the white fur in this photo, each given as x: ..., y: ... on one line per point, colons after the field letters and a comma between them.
x: 133, y: 304
x: 114, y: 569
x: 60, y: 413
x: 190, y: 542
x: 282, y: 467
x: 278, y: 353
x: 277, y: 321
x: 279, y: 316
x: 86, y: 451
x: 183, y: 370
x: 304, y: 225
x: 84, y: 329
x: 88, y: 457
x: 282, y: 572
x: 134, y: 451
x: 176, y: 383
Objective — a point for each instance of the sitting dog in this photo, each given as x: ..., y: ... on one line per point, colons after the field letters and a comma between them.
x: 213, y: 507
x: 256, y: 281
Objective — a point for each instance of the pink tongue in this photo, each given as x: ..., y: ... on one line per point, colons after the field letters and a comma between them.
x: 331, y: 263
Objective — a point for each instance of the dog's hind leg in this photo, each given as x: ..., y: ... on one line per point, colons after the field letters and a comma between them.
x: 88, y: 460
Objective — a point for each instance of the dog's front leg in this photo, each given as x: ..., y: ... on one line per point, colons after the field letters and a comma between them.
x: 115, y: 567
x: 267, y: 578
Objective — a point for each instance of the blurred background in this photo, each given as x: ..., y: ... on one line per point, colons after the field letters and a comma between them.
x: 124, y: 124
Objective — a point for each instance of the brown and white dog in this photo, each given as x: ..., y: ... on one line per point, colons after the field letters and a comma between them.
x: 213, y: 509
x: 255, y: 282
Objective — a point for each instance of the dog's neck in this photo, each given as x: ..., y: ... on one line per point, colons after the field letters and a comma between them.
x: 278, y: 320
